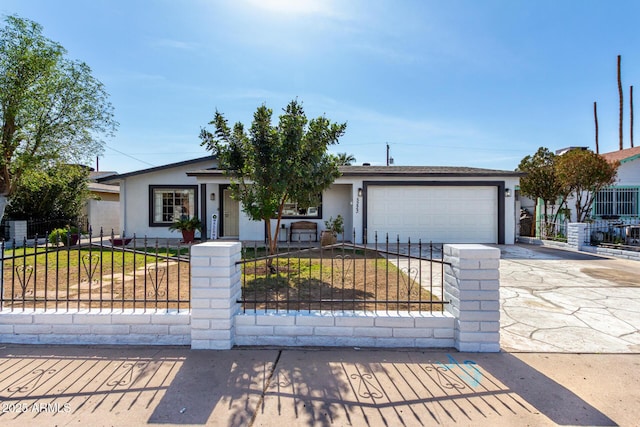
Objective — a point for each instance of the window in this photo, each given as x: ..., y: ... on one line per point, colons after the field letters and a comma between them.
x: 291, y: 210
x: 616, y: 202
x: 171, y: 203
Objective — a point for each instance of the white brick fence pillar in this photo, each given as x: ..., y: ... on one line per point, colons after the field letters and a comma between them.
x: 17, y: 231
x: 215, y: 288
x: 472, y: 287
x: 576, y: 233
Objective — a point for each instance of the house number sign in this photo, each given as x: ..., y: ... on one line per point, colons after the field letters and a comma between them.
x: 214, y: 227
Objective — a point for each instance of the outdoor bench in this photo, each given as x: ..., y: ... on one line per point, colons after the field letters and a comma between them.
x: 303, y: 231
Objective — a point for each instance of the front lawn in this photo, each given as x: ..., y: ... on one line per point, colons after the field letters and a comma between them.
x: 93, y: 276
x: 347, y: 281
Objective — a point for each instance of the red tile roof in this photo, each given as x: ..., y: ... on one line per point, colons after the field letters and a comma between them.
x: 621, y: 155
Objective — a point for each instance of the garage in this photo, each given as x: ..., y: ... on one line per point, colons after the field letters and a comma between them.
x: 444, y: 213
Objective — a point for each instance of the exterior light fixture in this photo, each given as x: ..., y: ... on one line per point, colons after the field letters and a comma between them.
x: 507, y: 192
x: 212, y: 197
x: 359, y: 192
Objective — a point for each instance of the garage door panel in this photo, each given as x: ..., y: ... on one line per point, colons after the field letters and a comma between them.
x: 455, y: 214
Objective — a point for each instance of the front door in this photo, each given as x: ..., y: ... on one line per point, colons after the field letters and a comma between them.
x: 230, y: 215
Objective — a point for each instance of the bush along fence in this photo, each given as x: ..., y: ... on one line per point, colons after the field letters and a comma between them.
x: 343, y: 295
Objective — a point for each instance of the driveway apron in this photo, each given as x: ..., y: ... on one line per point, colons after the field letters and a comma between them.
x: 554, y: 300
x: 561, y: 301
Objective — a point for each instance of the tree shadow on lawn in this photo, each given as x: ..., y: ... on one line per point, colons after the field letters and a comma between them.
x: 281, y: 292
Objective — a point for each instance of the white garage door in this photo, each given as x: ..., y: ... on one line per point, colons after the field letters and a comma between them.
x: 437, y: 214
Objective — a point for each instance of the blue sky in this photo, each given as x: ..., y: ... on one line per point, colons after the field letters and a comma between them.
x: 458, y: 83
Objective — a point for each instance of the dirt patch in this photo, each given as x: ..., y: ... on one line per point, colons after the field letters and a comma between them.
x: 618, y: 277
x: 339, y: 284
x: 97, y: 279
x: 334, y: 279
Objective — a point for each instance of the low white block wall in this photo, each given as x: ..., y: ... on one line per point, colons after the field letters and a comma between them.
x: 576, y: 233
x: 360, y: 329
x: 576, y: 236
x: 17, y: 232
x: 472, y: 287
x: 469, y: 323
x: 215, y: 290
x: 144, y: 327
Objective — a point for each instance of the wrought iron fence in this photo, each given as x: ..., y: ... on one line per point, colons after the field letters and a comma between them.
x: 37, y: 227
x: 344, y: 277
x: 554, y: 230
x: 618, y: 231
x: 41, y: 227
x: 96, y: 273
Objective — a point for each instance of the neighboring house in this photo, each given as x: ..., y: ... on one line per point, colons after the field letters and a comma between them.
x: 102, y: 210
x: 439, y: 204
x: 622, y: 199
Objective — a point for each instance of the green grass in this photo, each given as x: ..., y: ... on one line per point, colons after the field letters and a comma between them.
x: 351, y: 283
x: 84, y: 275
x: 72, y: 256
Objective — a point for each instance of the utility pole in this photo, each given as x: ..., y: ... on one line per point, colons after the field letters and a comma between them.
x: 620, y: 132
x: 389, y: 158
x: 631, y: 107
x: 595, y: 117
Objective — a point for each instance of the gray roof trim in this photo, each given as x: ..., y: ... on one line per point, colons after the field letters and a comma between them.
x: 103, y: 188
x: 205, y: 172
x: 424, y: 171
x: 119, y: 177
x: 405, y: 171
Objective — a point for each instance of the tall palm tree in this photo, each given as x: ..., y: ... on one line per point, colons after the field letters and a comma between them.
x: 345, y: 159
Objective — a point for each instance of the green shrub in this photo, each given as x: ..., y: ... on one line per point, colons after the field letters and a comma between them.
x: 62, y: 235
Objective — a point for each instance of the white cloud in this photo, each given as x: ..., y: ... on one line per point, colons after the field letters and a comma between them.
x: 174, y: 44
x: 295, y: 7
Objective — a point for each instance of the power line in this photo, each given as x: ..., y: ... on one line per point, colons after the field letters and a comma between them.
x: 427, y: 145
x: 130, y: 156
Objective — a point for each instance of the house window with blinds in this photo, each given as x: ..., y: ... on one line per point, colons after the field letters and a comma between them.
x: 169, y: 204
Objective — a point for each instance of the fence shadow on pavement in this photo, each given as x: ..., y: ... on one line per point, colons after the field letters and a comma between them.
x: 381, y: 387
x: 220, y: 387
x: 178, y: 386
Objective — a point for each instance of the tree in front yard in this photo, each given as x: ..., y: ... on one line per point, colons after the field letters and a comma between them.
x: 584, y: 173
x: 58, y: 192
x: 345, y: 159
x: 273, y: 164
x: 541, y: 181
x: 52, y: 110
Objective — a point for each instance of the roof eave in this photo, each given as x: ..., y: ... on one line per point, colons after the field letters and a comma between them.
x: 120, y: 177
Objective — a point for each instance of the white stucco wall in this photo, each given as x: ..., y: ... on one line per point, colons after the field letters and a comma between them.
x: 629, y: 173
x: 342, y: 198
x: 134, y: 198
x: 104, y: 215
x: 338, y: 201
x: 335, y: 201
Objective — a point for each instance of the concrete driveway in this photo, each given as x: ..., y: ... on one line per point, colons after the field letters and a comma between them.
x: 561, y: 301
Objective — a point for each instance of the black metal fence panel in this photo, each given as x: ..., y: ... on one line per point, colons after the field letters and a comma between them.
x: 617, y: 232
x: 96, y: 273
x: 557, y: 231
x: 383, y: 276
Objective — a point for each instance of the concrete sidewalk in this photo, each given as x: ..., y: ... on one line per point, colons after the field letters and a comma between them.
x: 135, y: 386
